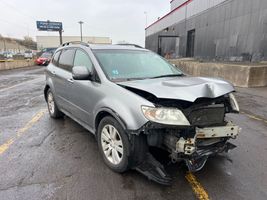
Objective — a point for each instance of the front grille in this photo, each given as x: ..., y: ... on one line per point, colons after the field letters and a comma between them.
x: 206, y: 116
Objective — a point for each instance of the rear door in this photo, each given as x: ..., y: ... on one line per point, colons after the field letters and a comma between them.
x: 63, y: 79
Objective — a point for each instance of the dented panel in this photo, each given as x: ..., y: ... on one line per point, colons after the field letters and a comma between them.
x: 183, y: 88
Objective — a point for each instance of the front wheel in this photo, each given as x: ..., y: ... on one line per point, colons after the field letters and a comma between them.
x: 117, y: 151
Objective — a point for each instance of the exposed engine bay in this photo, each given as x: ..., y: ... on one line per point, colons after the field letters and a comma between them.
x: 208, y: 133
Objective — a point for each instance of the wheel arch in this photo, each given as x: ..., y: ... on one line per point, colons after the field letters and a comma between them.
x: 107, y: 112
x: 47, y: 87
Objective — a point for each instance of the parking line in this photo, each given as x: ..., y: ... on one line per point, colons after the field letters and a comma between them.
x: 198, y: 189
x: 6, y: 145
x: 22, y: 130
x: 254, y: 117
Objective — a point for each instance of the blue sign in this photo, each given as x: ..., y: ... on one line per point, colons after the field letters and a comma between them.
x: 49, y: 26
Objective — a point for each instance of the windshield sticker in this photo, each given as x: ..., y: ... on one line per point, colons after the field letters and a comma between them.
x: 115, y: 72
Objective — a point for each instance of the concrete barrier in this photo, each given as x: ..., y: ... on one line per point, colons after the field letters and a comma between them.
x: 239, y: 74
x: 13, y: 64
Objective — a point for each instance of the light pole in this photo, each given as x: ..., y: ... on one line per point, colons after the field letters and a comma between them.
x: 4, y: 44
x: 146, y: 17
x: 81, y: 29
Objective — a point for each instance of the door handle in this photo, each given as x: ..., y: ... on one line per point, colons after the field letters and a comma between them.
x: 70, y: 80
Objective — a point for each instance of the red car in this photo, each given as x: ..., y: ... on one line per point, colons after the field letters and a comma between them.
x: 44, y: 59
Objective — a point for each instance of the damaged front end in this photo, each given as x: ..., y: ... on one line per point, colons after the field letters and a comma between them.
x: 206, y: 142
x: 202, y: 132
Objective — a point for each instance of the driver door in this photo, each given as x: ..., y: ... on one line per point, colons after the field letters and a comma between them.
x: 85, y: 93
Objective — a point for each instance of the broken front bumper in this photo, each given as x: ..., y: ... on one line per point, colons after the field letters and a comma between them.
x: 191, y: 144
x: 206, y: 142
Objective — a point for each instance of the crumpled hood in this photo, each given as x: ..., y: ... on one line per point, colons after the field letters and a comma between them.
x: 182, y: 88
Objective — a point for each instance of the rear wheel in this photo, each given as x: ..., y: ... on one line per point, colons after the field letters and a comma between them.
x: 52, y: 106
x: 117, y: 151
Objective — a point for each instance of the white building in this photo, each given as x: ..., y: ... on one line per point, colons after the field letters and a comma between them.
x: 53, y: 41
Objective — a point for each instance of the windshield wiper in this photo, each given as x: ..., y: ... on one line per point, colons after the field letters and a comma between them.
x: 168, y: 75
x: 125, y: 79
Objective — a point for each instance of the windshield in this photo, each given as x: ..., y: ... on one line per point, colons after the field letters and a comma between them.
x: 46, y: 55
x: 132, y: 64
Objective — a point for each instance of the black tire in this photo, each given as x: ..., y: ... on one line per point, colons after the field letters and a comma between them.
x: 134, y: 149
x: 54, y: 113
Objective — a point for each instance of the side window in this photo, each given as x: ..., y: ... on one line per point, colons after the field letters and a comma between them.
x: 55, y: 58
x: 66, y: 59
x: 82, y: 59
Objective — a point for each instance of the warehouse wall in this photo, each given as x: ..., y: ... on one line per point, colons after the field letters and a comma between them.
x: 185, y: 10
x: 233, y: 30
x: 176, y: 3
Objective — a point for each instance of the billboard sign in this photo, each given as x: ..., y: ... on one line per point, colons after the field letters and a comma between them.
x: 49, y: 26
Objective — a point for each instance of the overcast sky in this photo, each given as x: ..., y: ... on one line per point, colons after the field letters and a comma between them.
x: 118, y: 19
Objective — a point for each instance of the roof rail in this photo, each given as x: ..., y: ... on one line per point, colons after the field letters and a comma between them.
x: 128, y: 44
x: 75, y: 42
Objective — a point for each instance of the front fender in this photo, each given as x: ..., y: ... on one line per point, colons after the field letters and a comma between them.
x: 113, y: 114
x: 125, y: 108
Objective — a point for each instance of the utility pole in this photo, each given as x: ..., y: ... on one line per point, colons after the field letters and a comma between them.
x: 146, y: 18
x: 4, y: 44
x: 60, y: 36
x: 81, y: 29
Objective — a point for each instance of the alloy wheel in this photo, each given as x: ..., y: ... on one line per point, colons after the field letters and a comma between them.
x: 51, y: 103
x: 111, y: 143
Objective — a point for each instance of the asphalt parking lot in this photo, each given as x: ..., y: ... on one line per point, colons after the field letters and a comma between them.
x: 43, y: 158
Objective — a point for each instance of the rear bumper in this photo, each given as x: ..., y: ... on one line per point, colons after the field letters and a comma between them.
x: 42, y: 62
x: 38, y: 62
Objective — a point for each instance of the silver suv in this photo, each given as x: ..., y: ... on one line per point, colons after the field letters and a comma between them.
x: 131, y: 99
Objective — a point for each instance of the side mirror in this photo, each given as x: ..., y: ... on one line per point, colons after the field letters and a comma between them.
x: 81, y: 73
